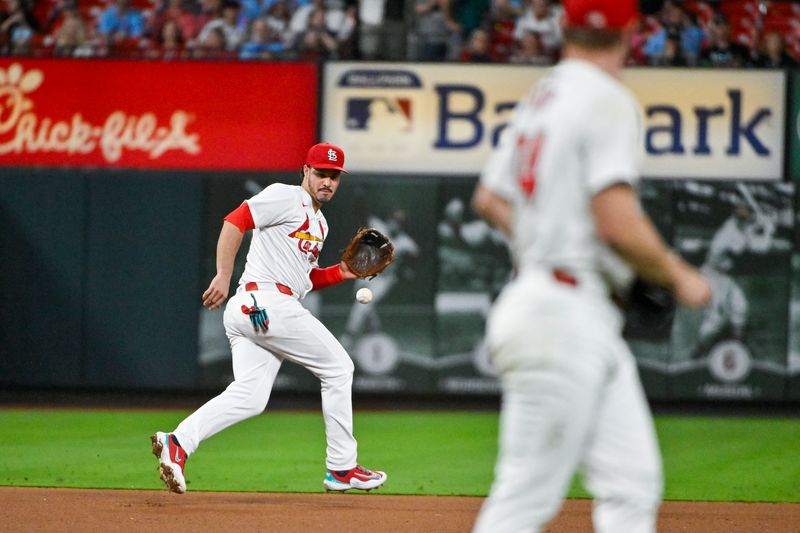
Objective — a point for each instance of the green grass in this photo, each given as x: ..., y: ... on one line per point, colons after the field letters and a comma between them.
x: 731, y: 459
x: 715, y: 459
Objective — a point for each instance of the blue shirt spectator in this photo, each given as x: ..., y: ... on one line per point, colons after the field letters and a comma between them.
x: 121, y: 21
x: 252, y: 9
x: 676, y: 23
x: 692, y: 40
x: 262, y: 43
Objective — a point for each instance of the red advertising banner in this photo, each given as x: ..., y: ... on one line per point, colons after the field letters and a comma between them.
x: 129, y: 114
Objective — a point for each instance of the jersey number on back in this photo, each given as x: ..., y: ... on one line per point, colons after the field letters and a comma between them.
x: 528, y: 150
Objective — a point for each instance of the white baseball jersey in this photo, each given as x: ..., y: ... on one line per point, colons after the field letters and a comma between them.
x: 575, y: 134
x: 285, y: 246
x: 287, y: 238
x: 571, y: 393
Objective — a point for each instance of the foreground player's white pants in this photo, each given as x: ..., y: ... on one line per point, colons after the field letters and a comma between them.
x: 294, y: 334
x: 571, y: 398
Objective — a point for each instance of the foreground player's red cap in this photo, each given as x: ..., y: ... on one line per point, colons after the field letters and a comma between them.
x: 600, y: 14
x: 324, y: 155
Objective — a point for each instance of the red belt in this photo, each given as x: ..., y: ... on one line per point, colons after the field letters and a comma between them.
x: 253, y: 286
x: 564, y: 277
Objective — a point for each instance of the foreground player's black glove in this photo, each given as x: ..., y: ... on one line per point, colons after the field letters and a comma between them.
x: 649, y: 310
x: 258, y: 316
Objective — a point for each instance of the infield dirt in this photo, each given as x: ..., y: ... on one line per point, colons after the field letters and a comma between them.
x: 55, y: 510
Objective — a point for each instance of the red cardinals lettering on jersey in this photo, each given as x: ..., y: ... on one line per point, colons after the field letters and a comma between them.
x: 306, y: 242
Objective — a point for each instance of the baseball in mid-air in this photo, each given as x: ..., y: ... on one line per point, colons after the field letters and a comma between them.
x: 364, y: 295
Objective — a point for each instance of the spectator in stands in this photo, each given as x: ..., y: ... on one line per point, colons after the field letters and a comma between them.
x: 382, y: 31
x: 170, y: 42
x: 530, y: 51
x: 394, y: 31
x: 41, y: 11
x: 477, y: 48
x: 502, y: 9
x: 641, y: 35
x: 301, y: 16
x: 433, y: 26
x: 773, y: 53
x: 721, y: 52
x: 71, y: 38
x: 469, y: 15
x: 228, y: 23
x: 253, y: 9
x: 209, y: 10
x: 339, y: 17
x: 213, y: 45
x: 545, y: 21
x: 178, y: 11
x: 119, y: 22
x: 17, y: 27
x: 692, y: 36
x: 502, y: 19
x: 261, y: 42
x: 277, y: 18
x: 371, y: 27
x: 671, y: 17
x: 674, y: 21
x: 54, y: 16
x: 316, y: 41
x: 671, y: 55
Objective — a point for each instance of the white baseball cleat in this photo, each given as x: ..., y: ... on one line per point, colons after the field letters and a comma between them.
x: 355, y: 478
x: 171, y: 459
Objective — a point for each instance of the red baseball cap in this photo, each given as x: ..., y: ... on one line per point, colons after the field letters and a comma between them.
x: 324, y: 155
x: 600, y: 14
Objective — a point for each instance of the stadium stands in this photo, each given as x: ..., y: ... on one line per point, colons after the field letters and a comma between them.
x: 522, y: 31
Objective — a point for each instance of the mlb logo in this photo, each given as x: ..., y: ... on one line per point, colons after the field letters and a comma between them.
x: 378, y: 114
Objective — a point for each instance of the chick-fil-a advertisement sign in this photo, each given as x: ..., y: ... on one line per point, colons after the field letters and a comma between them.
x: 192, y: 115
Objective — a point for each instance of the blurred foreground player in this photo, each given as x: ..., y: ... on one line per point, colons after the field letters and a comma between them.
x: 562, y: 185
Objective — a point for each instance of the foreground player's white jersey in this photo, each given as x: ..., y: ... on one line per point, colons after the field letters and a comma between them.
x: 554, y: 156
x: 287, y: 238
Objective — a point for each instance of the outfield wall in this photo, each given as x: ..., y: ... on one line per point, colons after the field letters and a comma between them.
x: 111, y: 207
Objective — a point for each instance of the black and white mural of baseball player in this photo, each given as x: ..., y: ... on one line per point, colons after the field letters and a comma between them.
x: 364, y: 317
x: 740, y: 234
x: 748, y: 230
x: 474, y: 265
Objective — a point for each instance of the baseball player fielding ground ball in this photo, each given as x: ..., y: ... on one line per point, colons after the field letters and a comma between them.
x: 266, y: 324
x: 561, y: 183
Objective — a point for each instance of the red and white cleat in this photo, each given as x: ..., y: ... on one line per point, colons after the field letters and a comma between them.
x: 355, y: 478
x: 171, y: 459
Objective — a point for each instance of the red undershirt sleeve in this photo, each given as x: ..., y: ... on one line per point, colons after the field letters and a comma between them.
x: 324, y: 277
x: 241, y: 217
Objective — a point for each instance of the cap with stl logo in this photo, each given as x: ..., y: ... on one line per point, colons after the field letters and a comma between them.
x: 600, y: 14
x: 324, y: 155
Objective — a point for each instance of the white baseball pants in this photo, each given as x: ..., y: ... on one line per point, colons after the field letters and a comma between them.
x: 295, y: 335
x: 571, y: 398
